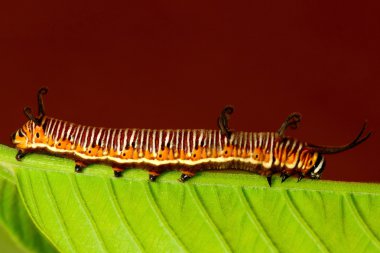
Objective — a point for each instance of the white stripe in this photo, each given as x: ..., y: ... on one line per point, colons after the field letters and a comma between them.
x: 48, y: 127
x: 142, y: 139
x: 76, y: 135
x: 214, y: 139
x: 154, y: 142
x: 107, y: 139
x: 137, y: 138
x: 92, y: 137
x: 80, y: 141
x: 57, y: 132
x: 132, y: 138
x: 102, y: 144
x: 125, y: 138
x: 167, y: 138
x: 319, y: 165
x: 176, y: 140
x: 52, y: 129
x: 220, y: 142
x: 98, y: 136
x: 160, y: 140
x: 267, y: 140
x: 250, y: 144
x: 171, y: 140
x: 85, y: 139
x: 200, y: 138
x: 182, y: 139
x: 260, y: 140
x: 69, y: 132
x: 63, y: 130
x: 188, y: 141
x: 147, y: 141
x: 112, y: 144
x: 146, y: 161
x: 119, y: 141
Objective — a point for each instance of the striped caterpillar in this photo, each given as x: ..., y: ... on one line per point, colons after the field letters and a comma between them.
x: 189, y: 151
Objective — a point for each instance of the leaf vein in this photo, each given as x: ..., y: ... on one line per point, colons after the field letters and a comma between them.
x: 161, y: 218
x: 115, y: 202
x: 255, y: 221
x: 208, y: 219
x: 303, y: 223
x: 360, y: 220
x: 85, y: 210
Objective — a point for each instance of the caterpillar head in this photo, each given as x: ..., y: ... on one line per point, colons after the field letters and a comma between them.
x: 32, y: 131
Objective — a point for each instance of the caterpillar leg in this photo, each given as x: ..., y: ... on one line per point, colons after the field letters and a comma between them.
x: 300, y: 177
x: 269, y: 179
x: 186, y: 175
x: 79, y: 166
x: 223, y: 121
x: 20, y: 154
x: 284, y: 176
x: 291, y: 121
x: 118, y: 172
x: 153, y: 175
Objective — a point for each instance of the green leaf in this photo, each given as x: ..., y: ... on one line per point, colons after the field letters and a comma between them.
x: 18, y: 233
x: 213, y: 212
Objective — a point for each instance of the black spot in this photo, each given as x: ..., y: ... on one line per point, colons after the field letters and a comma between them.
x: 256, y: 156
x: 226, y: 152
x: 159, y: 155
x: 124, y: 154
x: 194, y: 155
x: 89, y: 151
x: 59, y: 144
x: 38, y: 135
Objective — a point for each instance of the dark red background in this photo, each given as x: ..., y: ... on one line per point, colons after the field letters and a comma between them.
x: 175, y: 64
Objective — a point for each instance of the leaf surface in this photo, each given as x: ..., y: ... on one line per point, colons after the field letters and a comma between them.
x: 213, y: 212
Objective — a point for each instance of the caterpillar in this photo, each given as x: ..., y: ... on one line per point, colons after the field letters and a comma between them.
x: 186, y: 150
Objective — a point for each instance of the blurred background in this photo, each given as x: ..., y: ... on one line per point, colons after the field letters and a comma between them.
x: 175, y: 64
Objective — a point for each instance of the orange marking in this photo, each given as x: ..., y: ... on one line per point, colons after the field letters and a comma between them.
x: 234, y: 151
x: 100, y: 152
x: 182, y: 155
x: 92, y: 151
x: 154, y: 173
x: 80, y: 163
x: 163, y: 154
x: 267, y: 156
x: 117, y: 169
x: 79, y: 149
x: 189, y: 173
x: 227, y: 151
x: 196, y: 155
x: 135, y: 154
x: 148, y: 155
x: 258, y: 155
x: 171, y: 154
x: 214, y: 154
x: 204, y: 153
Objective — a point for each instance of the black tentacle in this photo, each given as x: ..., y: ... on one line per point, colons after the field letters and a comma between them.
x: 223, y: 121
x: 332, y: 150
x: 41, y: 108
x: 291, y: 121
x: 29, y: 114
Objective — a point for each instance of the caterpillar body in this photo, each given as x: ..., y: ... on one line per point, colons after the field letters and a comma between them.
x: 186, y: 150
